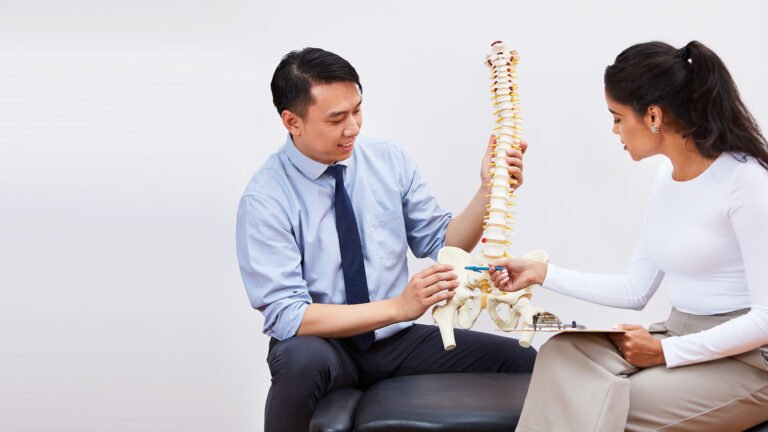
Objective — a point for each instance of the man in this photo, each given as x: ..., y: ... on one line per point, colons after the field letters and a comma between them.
x: 322, y: 231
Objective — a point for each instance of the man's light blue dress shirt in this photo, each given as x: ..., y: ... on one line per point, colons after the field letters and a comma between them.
x: 287, y: 245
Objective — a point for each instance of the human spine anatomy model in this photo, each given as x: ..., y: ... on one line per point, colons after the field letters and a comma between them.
x: 476, y: 292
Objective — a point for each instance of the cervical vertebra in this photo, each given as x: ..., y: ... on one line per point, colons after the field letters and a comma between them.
x: 475, y: 291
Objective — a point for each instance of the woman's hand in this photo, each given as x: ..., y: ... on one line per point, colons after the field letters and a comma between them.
x: 638, y: 347
x: 514, y: 161
x: 518, y: 273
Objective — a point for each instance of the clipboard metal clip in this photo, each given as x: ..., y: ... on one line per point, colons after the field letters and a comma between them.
x: 549, y: 321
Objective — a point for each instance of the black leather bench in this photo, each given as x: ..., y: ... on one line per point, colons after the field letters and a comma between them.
x: 442, y: 402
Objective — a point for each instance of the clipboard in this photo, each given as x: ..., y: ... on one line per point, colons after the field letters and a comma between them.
x: 562, y: 330
x: 547, y: 322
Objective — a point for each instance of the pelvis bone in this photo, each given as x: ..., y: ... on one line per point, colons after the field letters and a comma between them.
x: 476, y: 292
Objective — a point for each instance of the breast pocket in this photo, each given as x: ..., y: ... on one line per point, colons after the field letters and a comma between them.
x: 387, y: 235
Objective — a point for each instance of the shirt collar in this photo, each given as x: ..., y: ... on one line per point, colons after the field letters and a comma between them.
x: 311, y: 168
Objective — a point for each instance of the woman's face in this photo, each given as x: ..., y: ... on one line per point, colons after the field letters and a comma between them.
x: 635, y: 131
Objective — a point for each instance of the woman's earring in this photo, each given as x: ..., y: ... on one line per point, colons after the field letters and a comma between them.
x: 654, y: 129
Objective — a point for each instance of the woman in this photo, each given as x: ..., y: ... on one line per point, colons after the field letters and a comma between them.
x: 706, y: 231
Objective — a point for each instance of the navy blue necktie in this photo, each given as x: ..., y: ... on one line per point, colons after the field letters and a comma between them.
x: 352, y: 264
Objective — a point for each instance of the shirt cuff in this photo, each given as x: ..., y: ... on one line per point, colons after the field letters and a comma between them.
x: 671, y: 354
x: 553, y: 280
x: 287, y: 322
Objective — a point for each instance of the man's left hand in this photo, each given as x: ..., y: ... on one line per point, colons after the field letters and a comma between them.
x: 514, y: 161
x: 638, y: 347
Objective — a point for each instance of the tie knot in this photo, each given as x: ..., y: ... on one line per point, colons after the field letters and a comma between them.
x: 337, y: 171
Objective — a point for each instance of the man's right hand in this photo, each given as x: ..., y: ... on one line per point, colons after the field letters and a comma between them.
x: 428, y: 287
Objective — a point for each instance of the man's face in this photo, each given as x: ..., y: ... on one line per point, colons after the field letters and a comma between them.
x: 328, y: 130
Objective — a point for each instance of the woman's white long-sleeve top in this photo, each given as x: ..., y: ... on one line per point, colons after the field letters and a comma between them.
x: 709, y: 238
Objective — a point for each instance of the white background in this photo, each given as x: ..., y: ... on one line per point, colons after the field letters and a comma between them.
x: 129, y: 129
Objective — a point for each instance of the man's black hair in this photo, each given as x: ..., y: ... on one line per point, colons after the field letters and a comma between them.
x: 299, y: 70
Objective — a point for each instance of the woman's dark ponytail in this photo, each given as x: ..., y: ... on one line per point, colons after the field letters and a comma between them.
x: 694, y: 86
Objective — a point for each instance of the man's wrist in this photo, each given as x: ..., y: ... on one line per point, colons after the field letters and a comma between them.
x: 394, y: 310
